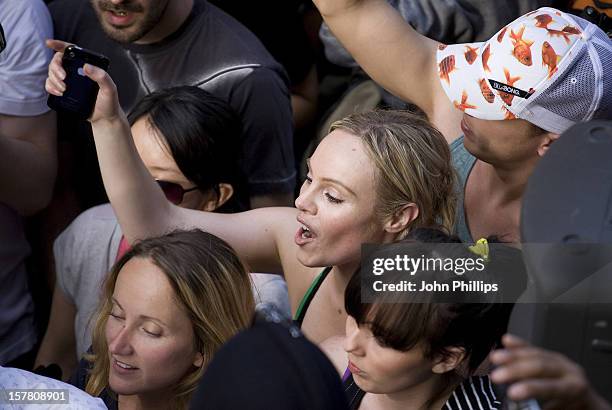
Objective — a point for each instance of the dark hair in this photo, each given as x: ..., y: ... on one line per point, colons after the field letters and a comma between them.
x: 474, y: 327
x: 203, y: 134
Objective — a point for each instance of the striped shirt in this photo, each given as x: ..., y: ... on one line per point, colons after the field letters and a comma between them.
x: 475, y: 393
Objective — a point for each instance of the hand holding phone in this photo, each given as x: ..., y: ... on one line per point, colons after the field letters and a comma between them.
x: 80, y: 92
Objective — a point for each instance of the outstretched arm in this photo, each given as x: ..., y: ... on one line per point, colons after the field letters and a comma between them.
x: 138, y: 202
x: 393, y: 54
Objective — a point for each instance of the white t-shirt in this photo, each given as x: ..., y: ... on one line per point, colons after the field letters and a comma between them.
x: 16, y: 380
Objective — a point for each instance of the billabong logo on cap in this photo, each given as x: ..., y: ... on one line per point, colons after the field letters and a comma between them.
x: 509, y: 89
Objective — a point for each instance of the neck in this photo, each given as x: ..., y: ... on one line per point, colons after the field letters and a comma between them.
x: 345, y: 272
x: 416, y: 397
x: 340, y: 276
x: 507, y: 181
x: 173, y: 17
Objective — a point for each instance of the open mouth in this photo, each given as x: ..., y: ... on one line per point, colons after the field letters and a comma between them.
x: 119, y: 17
x: 305, y: 232
x: 124, y: 365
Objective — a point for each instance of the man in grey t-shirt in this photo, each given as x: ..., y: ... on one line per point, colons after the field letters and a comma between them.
x: 159, y: 44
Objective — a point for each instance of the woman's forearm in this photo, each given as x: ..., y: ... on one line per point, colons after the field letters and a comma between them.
x: 140, y: 205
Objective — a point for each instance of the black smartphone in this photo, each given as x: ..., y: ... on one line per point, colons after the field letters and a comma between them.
x: 81, y: 92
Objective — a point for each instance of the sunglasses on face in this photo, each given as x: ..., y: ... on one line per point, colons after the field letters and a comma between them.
x: 174, y: 192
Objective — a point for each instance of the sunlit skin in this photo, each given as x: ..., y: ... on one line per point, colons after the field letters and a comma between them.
x: 161, y: 165
x: 336, y: 203
x: 149, y: 332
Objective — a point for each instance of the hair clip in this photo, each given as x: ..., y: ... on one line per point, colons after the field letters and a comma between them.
x: 481, y: 248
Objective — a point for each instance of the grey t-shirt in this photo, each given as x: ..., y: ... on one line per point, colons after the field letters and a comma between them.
x: 85, y: 252
x: 210, y: 50
x: 23, y: 70
x: 463, y: 162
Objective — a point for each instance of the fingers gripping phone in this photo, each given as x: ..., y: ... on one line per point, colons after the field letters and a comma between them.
x: 81, y: 92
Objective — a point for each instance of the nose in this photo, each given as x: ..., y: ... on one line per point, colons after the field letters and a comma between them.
x: 305, y: 201
x: 120, y: 343
x: 352, y: 341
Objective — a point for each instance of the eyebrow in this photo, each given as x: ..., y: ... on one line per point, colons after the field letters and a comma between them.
x: 333, y: 181
x: 145, y: 317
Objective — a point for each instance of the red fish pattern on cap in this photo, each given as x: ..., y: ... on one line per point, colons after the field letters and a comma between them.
x: 549, y: 58
x: 471, y: 54
x: 447, y: 66
x: 464, y: 105
x: 442, y: 46
x: 486, y: 54
x: 500, y: 36
x: 508, y: 115
x: 507, y: 97
x: 522, y: 47
x: 559, y: 33
x: 486, y: 91
x: 543, y: 20
x: 571, y: 30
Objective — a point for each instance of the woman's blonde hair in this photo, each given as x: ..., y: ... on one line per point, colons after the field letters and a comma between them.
x: 413, y: 164
x: 210, y: 283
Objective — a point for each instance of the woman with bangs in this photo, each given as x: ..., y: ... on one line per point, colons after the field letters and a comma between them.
x: 425, y: 354
x: 167, y: 306
x: 376, y: 176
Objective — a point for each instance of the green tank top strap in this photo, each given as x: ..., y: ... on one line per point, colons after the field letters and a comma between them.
x: 309, y: 295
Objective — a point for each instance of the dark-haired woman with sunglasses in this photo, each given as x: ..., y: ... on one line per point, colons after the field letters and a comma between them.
x: 188, y: 140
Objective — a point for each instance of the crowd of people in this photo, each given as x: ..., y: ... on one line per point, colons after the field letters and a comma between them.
x: 163, y: 265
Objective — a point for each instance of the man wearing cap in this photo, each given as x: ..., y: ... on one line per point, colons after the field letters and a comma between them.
x: 507, y: 98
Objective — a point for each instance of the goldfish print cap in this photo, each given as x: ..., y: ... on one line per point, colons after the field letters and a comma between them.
x: 550, y: 68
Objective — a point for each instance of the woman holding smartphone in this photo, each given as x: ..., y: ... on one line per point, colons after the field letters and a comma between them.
x: 376, y: 176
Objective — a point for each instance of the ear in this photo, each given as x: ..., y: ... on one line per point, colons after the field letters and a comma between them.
x: 401, y: 218
x: 450, y: 361
x: 213, y: 202
x: 547, y: 140
x: 198, y: 361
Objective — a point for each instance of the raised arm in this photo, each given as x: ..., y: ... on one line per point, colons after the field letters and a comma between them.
x: 140, y: 205
x: 393, y: 54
